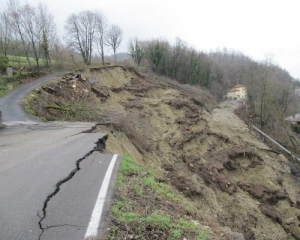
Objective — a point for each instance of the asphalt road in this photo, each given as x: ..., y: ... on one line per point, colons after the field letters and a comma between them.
x: 12, y: 105
x: 51, y: 176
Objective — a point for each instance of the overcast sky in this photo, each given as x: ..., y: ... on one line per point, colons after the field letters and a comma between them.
x: 257, y: 27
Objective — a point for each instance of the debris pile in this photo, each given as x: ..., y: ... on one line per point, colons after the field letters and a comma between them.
x: 210, y: 157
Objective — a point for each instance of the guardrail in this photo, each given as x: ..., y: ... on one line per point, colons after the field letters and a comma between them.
x: 276, y: 143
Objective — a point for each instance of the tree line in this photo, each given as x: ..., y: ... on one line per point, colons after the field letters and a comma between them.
x: 30, y: 31
x: 217, y: 71
x: 271, y: 89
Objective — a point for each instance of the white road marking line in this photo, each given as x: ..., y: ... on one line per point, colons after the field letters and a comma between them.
x: 92, y: 229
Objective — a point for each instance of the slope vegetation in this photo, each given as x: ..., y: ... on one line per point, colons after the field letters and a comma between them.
x: 198, y: 171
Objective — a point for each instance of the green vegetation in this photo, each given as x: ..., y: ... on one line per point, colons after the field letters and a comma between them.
x: 161, y: 188
x: 142, y: 207
x: 20, y: 61
x: 16, y: 60
x: 7, y: 84
x: 27, y: 107
x: 127, y: 166
x: 3, y: 62
x: 295, y: 128
x: 77, y: 110
x: 74, y: 110
x: 143, y: 69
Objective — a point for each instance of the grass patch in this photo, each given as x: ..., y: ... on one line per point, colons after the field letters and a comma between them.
x: 175, y: 234
x: 143, y: 69
x: 15, y: 61
x: 128, y: 166
x: 159, y: 220
x: 7, y: 84
x: 27, y: 107
x: 161, y: 188
x: 27, y: 104
x: 145, y: 208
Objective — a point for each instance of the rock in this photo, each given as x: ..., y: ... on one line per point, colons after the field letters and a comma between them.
x: 48, y: 89
x: 101, y: 92
x: 282, y: 158
x: 295, y: 169
x: 93, y: 80
x: 38, y: 90
x: 232, y: 235
x: 270, y: 212
x: 196, y: 222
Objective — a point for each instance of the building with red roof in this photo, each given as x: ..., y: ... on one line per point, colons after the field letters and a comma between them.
x: 237, y: 92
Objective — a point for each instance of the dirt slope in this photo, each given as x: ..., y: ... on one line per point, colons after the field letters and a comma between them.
x: 240, y: 188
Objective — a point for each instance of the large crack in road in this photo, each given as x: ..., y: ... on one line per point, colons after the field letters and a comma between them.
x: 100, y: 147
x: 12, y: 108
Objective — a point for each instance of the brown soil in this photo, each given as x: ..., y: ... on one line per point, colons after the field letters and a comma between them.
x: 209, y: 155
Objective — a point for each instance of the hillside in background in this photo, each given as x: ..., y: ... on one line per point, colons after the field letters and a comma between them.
x: 271, y: 94
x: 196, y: 170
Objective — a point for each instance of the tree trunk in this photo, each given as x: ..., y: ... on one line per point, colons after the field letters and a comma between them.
x: 102, y: 52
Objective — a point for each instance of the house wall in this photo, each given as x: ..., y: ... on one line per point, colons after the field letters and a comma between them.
x: 239, y: 93
x: 231, y: 95
x: 243, y: 92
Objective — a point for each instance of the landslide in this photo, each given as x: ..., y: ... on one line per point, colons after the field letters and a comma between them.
x: 237, y: 187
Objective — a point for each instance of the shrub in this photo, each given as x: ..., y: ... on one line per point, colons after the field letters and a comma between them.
x: 295, y: 128
x: 3, y: 62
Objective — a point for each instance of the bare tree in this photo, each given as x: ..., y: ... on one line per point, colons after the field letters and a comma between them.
x: 33, y: 31
x: 57, y: 53
x: 15, y: 13
x: 81, y: 29
x: 33, y: 28
x: 114, y: 38
x: 5, y: 33
x: 64, y: 56
x: 101, y: 25
x: 48, y: 31
x: 136, y: 50
x: 16, y: 47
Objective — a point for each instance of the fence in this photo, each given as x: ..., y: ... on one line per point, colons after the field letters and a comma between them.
x: 276, y: 143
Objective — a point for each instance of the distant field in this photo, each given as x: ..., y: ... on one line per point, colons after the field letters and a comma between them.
x: 14, y: 61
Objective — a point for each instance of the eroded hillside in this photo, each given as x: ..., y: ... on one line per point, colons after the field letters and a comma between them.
x: 237, y: 188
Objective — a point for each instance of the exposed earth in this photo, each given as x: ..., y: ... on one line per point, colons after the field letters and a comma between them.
x: 237, y: 187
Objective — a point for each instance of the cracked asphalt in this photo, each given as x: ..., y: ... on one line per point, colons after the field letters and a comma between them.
x: 50, y: 175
